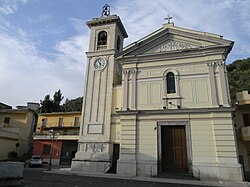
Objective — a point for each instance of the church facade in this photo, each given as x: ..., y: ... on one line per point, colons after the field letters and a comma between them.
x: 159, y: 105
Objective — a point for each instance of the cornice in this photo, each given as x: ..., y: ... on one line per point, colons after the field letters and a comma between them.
x: 202, y: 36
x: 100, y: 52
x: 175, y: 111
x: 174, y: 55
x: 108, y: 20
x: 127, y: 112
x: 59, y: 113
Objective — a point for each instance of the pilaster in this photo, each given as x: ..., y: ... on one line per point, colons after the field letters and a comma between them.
x: 177, y: 87
x: 134, y: 94
x: 126, y: 164
x: 212, y: 84
x: 125, y: 90
x: 223, y: 84
x: 164, y: 92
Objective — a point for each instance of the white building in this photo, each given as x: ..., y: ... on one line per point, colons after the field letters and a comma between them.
x: 159, y: 105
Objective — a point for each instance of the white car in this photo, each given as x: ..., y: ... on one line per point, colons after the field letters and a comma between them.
x: 36, y: 160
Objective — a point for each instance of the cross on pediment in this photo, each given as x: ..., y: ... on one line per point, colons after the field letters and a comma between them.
x: 169, y: 18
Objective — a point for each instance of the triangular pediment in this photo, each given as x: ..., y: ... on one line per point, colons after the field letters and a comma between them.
x: 173, y: 39
x: 171, y: 45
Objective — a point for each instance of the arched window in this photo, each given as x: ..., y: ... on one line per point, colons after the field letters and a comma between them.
x: 118, y: 43
x: 102, y: 40
x: 170, y: 83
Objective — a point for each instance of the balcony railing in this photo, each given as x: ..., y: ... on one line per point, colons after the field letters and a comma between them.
x: 59, y: 125
x: 71, y: 135
x: 245, y: 133
x: 59, y: 133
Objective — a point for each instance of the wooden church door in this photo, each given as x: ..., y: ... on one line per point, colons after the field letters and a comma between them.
x: 174, y: 149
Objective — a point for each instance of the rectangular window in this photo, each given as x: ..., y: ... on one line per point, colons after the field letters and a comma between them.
x: 76, y: 122
x: 60, y: 122
x: 46, y: 149
x: 6, y: 121
x: 246, y: 119
x: 44, y: 122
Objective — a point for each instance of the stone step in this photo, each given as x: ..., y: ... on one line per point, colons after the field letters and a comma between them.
x: 176, y: 175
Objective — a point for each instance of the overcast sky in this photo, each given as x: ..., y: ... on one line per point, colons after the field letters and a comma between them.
x: 43, y: 42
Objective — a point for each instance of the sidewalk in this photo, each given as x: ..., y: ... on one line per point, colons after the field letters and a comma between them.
x: 67, y: 171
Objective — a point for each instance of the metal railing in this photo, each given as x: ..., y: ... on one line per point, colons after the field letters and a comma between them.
x: 60, y: 125
x: 46, y: 133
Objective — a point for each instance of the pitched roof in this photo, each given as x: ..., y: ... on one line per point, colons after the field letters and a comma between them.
x: 170, y: 38
x: 4, y: 106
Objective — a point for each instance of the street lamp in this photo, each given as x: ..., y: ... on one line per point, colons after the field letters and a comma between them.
x: 52, y: 135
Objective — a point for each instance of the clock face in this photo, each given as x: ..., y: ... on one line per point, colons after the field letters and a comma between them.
x: 100, y: 63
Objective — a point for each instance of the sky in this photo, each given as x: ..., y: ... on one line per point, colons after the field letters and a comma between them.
x: 43, y: 42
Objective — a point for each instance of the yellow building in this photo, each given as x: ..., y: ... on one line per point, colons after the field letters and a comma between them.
x: 242, y: 126
x: 16, y: 129
x: 158, y: 106
x: 65, y: 126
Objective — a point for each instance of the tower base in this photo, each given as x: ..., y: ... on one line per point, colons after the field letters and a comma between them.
x: 90, y: 166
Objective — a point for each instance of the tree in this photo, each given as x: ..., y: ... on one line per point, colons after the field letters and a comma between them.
x: 46, y: 104
x: 72, y: 105
x: 57, y: 100
x: 238, y: 76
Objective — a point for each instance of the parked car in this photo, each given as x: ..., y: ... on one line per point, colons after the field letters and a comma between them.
x: 36, y: 160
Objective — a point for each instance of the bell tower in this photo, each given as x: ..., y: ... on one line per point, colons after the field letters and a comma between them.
x: 106, y: 39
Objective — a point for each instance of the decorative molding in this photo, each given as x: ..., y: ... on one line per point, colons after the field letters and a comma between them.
x: 183, y: 111
x: 214, y: 64
x: 95, y: 128
x: 125, y: 72
x: 93, y: 147
x: 211, y: 64
x: 171, y: 45
x: 133, y: 71
x: 129, y: 71
x: 127, y: 112
x: 98, y: 147
x: 220, y: 64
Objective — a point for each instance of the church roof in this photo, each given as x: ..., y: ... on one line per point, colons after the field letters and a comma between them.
x: 170, y: 38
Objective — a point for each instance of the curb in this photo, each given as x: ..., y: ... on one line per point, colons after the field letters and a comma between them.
x: 67, y: 171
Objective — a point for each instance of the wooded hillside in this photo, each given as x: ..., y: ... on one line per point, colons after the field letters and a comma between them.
x: 238, y: 77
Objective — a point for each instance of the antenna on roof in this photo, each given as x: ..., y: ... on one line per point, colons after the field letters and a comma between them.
x: 106, y: 10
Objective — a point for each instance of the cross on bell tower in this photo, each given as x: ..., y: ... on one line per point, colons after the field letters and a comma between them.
x: 106, y: 10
